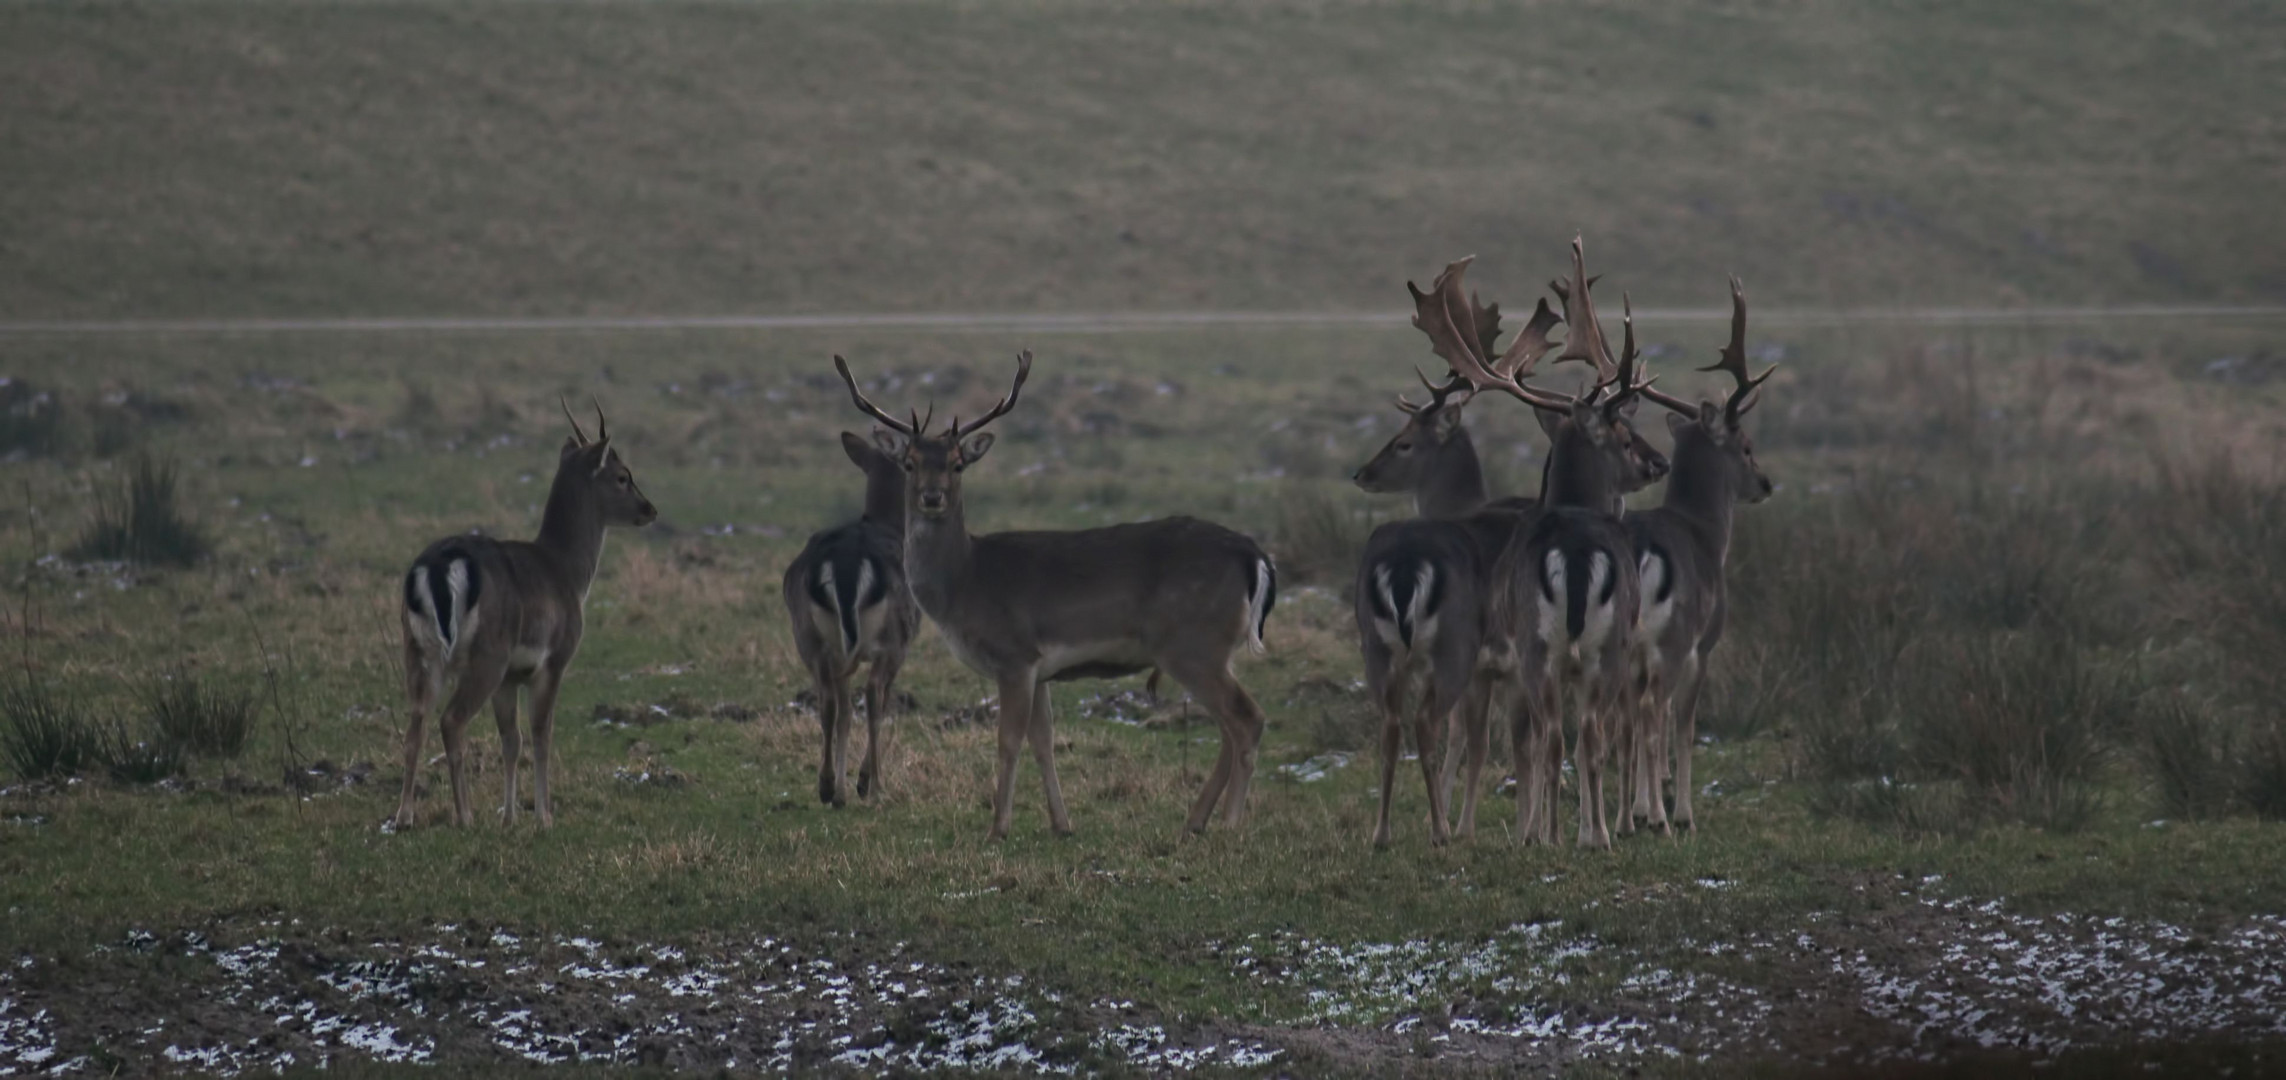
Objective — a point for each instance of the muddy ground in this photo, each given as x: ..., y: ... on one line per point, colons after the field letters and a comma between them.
x: 1931, y: 979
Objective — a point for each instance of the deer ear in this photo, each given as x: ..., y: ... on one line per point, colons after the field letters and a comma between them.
x: 604, y: 455
x: 1677, y: 423
x: 1551, y: 421
x: 571, y: 446
x: 1627, y: 407
x: 1448, y: 422
x: 860, y: 452
x: 890, y: 442
x: 973, y: 450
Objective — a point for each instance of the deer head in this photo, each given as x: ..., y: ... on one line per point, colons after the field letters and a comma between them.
x: 591, y: 471
x: 1602, y: 417
x: 933, y: 463
x: 1712, y: 434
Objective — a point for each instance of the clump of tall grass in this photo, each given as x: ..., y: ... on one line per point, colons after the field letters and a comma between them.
x: 203, y: 718
x: 141, y: 520
x: 134, y: 757
x: 1316, y: 538
x: 44, y: 736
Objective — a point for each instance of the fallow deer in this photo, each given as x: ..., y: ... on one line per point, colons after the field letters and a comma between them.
x: 1681, y: 549
x: 1563, y: 595
x: 491, y: 616
x: 1433, y: 459
x: 1025, y: 609
x: 847, y: 599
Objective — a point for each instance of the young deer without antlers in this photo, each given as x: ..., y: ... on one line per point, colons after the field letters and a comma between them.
x: 1025, y: 609
x: 1681, y: 548
x: 495, y: 615
x: 1419, y: 591
x: 1564, y: 588
x: 847, y: 599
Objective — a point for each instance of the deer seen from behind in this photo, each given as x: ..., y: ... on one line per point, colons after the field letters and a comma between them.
x: 1681, y: 548
x: 849, y: 605
x: 1420, y: 611
x: 491, y: 616
x: 1563, y: 595
x: 1025, y: 609
x: 1443, y: 562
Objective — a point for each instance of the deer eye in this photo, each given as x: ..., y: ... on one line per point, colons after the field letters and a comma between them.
x: 624, y: 479
x: 1404, y: 448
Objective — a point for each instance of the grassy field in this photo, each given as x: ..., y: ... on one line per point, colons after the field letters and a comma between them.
x: 319, y: 464
x: 1994, y: 768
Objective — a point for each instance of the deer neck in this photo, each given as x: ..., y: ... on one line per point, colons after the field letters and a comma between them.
x: 885, y: 495
x: 937, y: 552
x: 571, y: 529
x: 1575, y: 475
x: 1701, y: 489
x: 1454, y: 481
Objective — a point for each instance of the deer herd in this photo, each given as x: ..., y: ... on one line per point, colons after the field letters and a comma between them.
x: 1565, y: 612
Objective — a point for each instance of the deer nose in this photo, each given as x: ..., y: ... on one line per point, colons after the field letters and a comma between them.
x: 647, y: 515
x: 932, y: 501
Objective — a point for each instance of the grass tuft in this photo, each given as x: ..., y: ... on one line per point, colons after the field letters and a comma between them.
x: 43, y: 736
x: 1317, y: 539
x: 210, y: 721
x: 142, y: 521
x: 131, y: 759
x: 2191, y: 753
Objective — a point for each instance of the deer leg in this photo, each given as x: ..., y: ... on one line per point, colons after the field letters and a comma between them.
x: 822, y: 689
x: 545, y: 683
x: 421, y: 690
x: 1524, y: 737
x: 477, y: 685
x: 1043, y: 735
x: 1588, y: 762
x: 877, y: 701
x: 1245, y: 725
x: 1015, y: 718
x: 1653, y: 713
x: 504, y: 715
x: 1428, y: 725
x: 1475, y: 721
x: 837, y: 742
x: 1392, y: 738
x: 1687, y: 740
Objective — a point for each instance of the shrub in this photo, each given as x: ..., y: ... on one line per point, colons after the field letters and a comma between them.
x: 41, y: 735
x: 140, y: 521
x: 210, y: 721
x: 133, y: 760
x: 31, y: 420
x: 2262, y: 772
x: 2191, y: 754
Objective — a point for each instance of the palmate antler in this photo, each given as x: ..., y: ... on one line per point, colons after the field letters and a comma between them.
x: 1444, y: 309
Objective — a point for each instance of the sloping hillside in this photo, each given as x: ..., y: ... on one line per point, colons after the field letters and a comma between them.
x: 255, y: 158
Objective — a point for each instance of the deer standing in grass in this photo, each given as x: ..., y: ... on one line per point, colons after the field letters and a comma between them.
x: 1681, y: 549
x: 847, y: 599
x: 1025, y: 609
x: 1419, y: 586
x: 490, y: 616
x: 1563, y: 596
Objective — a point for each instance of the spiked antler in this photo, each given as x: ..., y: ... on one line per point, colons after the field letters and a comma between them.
x: 1734, y: 360
x: 1631, y: 366
x: 1023, y: 372
x: 602, y: 427
x: 576, y: 432
x: 912, y: 430
x: 1438, y: 395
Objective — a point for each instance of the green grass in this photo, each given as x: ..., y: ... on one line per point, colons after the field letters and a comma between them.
x: 273, y: 159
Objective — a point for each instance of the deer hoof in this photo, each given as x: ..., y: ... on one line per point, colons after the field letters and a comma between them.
x: 825, y: 789
x: 864, y: 785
